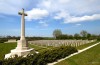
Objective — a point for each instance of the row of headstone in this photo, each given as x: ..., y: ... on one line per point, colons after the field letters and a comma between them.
x: 57, y: 43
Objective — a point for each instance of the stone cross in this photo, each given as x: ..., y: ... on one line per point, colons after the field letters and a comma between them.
x: 23, y: 14
x: 22, y: 48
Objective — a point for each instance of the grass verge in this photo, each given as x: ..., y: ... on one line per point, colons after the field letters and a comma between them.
x: 86, y: 45
x: 88, y: 57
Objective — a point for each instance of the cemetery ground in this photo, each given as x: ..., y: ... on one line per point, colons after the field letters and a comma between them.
x: 88, y: 57
x: 6, y: 47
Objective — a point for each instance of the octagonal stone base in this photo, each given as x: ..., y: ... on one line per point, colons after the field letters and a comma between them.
x: 22, y: 49
x: 14, y: 52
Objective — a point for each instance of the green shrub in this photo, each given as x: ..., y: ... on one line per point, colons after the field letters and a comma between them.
x: 42, y: 58
x: 3, y: 40
x: 1, y: 62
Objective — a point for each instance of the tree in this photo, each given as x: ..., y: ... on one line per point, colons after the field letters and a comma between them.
x: 76, y: 36
x: 63, y: 36
x: 56, y: 33
x: 84, y: 33
x: 70, y: 36
x: 88, y: 35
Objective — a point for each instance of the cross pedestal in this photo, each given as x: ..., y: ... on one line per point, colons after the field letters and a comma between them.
x: 22, y: 48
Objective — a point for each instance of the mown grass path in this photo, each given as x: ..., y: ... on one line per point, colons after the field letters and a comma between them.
x: 86, y: 45
x: 88, y: 57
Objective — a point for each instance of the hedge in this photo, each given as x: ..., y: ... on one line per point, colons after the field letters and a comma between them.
x: 42, y: 58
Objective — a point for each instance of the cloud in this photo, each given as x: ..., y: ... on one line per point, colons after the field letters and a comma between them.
x: 74, y: 19
x: 11, y: 7
x: 60, y: 15
x: 63, y: 1
x: 43, y: 23
x: 78, y: 24
x: 36, y: 13
x: 69, y: 10
x: 51, y: 6
x: 75, y: 7
x: 67, y: 18
x: 72, y: 11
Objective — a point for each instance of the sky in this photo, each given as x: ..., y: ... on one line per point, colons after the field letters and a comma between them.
x: 44, y: 16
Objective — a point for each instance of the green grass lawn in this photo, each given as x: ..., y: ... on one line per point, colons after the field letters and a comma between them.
x: 39, y: 48
x: 6, y: 47
x: 86, y: 45
x: 88, y: 57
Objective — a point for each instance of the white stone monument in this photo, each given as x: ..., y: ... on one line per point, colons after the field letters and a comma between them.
x: 22, y: 48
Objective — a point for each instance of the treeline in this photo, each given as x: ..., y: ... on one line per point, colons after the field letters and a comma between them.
x: 5, y: 39
x: 82, y: 35
x: 65, y: 36
x: 42, y: 58
x: 28, y: 38
x: 57, y: 35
